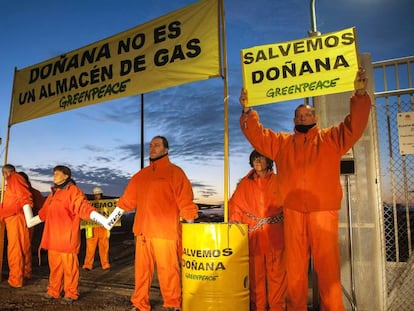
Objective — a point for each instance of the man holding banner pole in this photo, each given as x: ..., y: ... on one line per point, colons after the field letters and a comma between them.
x: 309, y: 173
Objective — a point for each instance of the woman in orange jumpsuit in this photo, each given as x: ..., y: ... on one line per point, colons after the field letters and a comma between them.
x: 160, y: 193
x: 62, y: 212
x: 309, y: 180
x: 16, y: 196
x: 256, y: 202
x: 97, y: 237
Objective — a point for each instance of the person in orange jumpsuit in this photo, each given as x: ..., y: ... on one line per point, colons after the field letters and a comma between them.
x: 62, y: 212
x: 160, y: 194
x: 16, y: 196
x: 256, y: 202
x: 97, y: 237
x: 309, y: 180
x: 38, y: 200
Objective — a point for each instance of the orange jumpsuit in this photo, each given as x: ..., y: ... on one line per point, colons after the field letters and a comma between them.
x: 16, y: 195
x: 38, y: 200
x: 99, y: 238
x: 62, y: 212
x: 256, y: 203
x: 309, y: 174
x: 161, y: 193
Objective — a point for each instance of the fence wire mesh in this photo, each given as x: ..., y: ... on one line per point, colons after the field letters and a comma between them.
x: 394, y: 97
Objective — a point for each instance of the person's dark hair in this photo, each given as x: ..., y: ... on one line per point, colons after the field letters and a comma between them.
x: 164, y: 141
x: 24, y: 175
x: 9, y: 167
x: 64, y: 169
x: 254, y: 154
x: 305, y: 106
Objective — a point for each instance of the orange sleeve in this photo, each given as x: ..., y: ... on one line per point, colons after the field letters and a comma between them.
x: 264, y: 140
x: 128, y: 200
x: 16, y: 195
x: 21, y: 190
x: 184, y: 195
x: 82, y: 207
x: 347, y: 133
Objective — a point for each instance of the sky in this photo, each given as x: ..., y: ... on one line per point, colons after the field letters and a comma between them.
x: 101, y: 142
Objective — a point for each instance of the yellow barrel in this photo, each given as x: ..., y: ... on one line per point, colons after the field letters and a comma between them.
x: 215, y: 267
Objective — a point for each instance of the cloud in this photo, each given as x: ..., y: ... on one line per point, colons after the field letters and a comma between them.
x: 86, y: 177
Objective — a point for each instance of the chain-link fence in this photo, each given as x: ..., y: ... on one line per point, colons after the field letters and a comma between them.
x: 394, y: 99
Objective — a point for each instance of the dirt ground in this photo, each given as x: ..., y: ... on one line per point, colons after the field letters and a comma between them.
x: 99, y: 289
x: 92, y: 298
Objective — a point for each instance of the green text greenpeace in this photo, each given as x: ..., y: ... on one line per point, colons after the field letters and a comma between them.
x: 302, y: 87
x: 199, y: 277
x: 93, y: 94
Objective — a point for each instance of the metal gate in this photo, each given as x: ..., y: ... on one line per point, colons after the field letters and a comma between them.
x: 394, y: 100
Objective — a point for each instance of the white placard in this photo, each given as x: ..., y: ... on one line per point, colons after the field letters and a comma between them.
x: 406, y: 132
